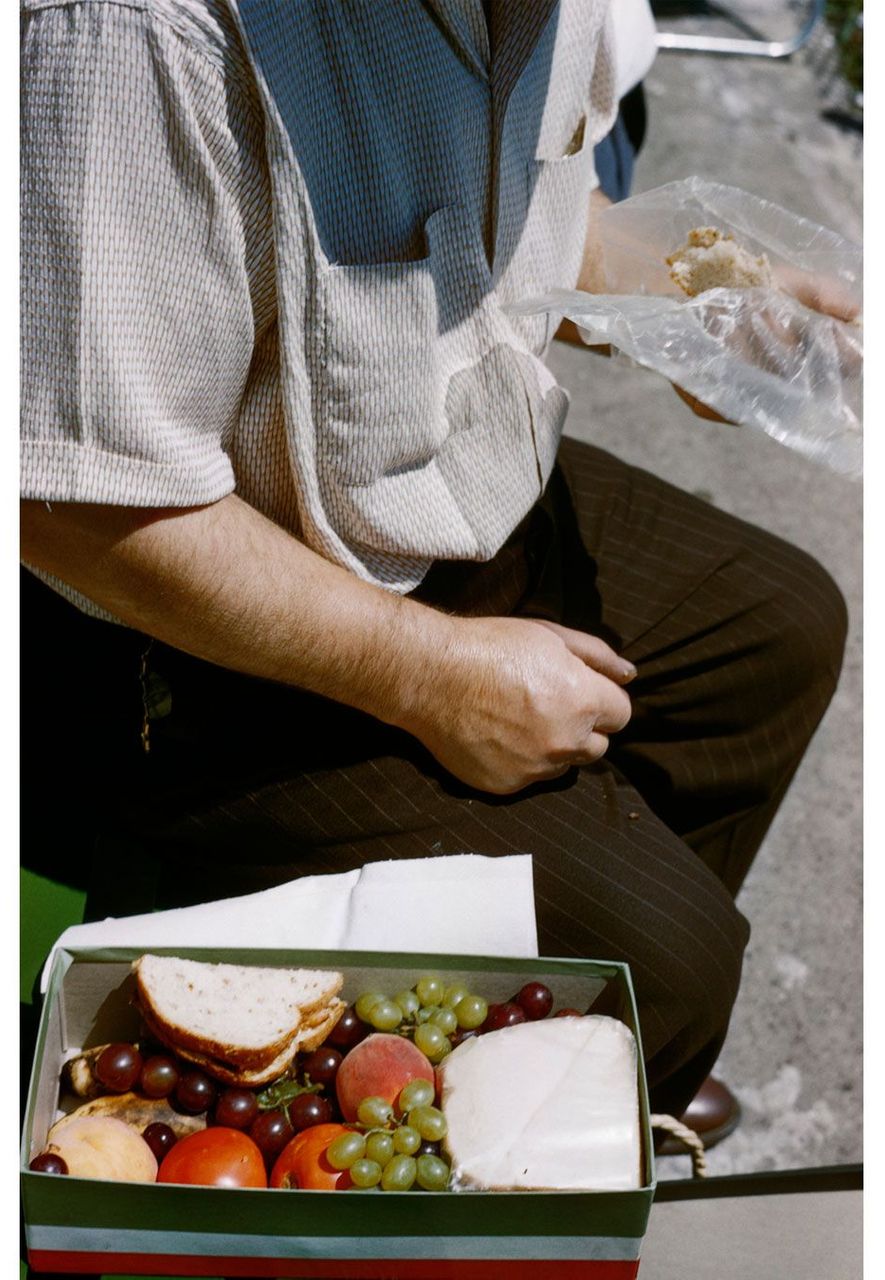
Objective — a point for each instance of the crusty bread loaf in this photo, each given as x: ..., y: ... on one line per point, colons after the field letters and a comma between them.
x: 710, y: 260
x: 244, y: 1017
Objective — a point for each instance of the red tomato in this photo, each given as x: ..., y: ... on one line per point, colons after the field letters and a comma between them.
x: 216, y: 1157
x: 302, y: 1162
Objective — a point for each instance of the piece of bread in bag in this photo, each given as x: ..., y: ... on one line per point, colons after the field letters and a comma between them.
x: 710, y: 259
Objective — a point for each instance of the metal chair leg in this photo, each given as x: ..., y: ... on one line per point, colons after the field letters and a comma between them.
x: 744, y: 46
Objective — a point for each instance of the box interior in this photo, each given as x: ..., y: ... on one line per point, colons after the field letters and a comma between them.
x: 89, y: 1002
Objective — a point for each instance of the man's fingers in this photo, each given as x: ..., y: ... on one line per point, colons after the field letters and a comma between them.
x: 612, y: 707
x: 597, y: 745
x: 610, y: 702
x: 593, y: 750
x: 699, y: 409
x: 595, y: 652
x: 828, y: 300
x: 824, y: 293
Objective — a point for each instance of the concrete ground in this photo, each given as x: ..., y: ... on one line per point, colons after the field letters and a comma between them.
x: 793, y: 1054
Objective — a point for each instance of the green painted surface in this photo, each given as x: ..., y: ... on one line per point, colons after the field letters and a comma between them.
x: 46, y: 909
x: 285, y: 1214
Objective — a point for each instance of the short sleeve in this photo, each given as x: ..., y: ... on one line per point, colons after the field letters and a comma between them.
x: 137, y: 320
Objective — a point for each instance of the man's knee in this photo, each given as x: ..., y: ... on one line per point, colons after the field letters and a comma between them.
x: 713, y: 988
x: 697, y: 972
x: 807, y: 622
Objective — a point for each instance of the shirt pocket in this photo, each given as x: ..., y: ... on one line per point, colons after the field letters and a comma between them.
x: 378, y: 398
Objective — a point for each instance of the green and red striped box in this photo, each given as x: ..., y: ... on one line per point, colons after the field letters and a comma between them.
x: 93, y: 1227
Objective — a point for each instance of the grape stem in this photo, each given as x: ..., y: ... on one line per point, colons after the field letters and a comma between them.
x: 282, y: 1093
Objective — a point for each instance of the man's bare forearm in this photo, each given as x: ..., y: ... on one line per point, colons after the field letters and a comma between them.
x: 227, y: 585
x: 592, y: 276
x: 501, y: 702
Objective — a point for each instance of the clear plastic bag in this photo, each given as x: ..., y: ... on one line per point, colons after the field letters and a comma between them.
x: 759, y: 357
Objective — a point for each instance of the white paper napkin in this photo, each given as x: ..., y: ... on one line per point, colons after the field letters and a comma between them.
x: 462, y: 904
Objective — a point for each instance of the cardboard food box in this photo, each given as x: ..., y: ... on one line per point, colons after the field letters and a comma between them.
x: 94, y: 1226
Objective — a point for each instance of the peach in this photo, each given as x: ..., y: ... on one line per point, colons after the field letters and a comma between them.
x: 379, y: 1067
x: 102, y: 1147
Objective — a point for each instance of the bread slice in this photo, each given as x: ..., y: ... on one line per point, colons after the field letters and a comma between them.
x: 227, y: 1072
x: 305, y: 1041
x: 315, y: 1032
x: 710, y: 260
x: 245, y: 1017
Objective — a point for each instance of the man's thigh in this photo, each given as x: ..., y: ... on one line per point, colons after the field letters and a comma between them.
x: 653, y: 547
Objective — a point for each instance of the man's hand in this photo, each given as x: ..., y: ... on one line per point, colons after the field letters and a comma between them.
x: 500, y: 702
x: 509, y: 702
x: 819, y: 293
x: 824, y: 294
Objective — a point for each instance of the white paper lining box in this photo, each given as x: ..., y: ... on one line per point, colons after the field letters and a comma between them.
x: 91, y: 1226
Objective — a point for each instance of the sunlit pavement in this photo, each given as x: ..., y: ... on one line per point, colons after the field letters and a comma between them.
x: 793, y: 1053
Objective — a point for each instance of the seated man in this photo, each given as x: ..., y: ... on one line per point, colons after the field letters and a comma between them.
x: 326, y: 585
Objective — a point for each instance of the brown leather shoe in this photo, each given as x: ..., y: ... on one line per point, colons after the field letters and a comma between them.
x: 713, y: 1113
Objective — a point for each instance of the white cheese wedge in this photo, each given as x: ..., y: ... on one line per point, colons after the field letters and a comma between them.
x: 550, y: 1105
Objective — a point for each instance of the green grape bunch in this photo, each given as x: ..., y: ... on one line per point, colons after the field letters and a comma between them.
x: 395, y: 1148
x: 432, y: 1014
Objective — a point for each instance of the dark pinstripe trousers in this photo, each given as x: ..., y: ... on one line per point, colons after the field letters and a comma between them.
x: 738, y: 641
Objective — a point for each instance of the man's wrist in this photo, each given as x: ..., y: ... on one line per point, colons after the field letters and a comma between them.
x: 413, y: 661
x: 591, y: 277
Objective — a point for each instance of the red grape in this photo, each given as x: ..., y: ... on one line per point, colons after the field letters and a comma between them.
x: 118, y: 1067
x: 160, y: 1138
x: 502, y: 1015
x: 270, y: 1133
x: 568, y: 1013
x: 194, y: 1092
x: 48, y: 1162
x: 348, y: 1030
x: 309, y: 1109
x: 159, y: 1076
x: 236, y: 1108
x: 322, y: 1065
x: 535, y: 1000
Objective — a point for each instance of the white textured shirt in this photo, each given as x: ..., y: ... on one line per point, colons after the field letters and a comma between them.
x: 267, y: 248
